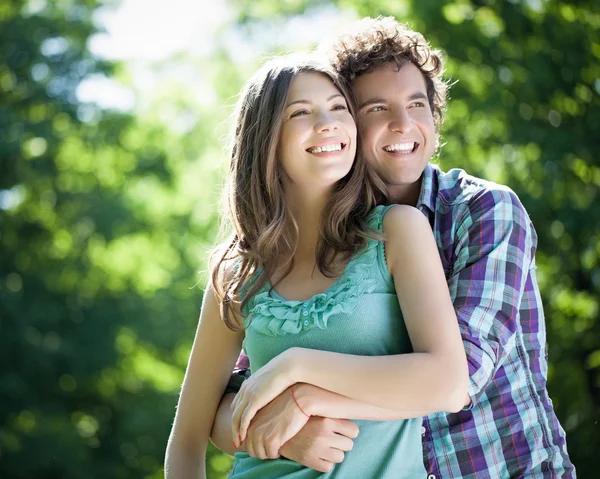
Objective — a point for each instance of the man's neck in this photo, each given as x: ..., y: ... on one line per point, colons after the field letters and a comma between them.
x: 405, y: 194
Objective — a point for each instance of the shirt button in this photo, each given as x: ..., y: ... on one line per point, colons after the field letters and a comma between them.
x: 306, y: 322
x: 305, y: 313
x: 423, y: 430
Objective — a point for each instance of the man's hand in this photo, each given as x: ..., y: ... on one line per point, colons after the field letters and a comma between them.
x: 274, y: 425
x: 321, y: 443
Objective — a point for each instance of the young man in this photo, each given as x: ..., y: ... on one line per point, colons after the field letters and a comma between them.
x: 487, y: 243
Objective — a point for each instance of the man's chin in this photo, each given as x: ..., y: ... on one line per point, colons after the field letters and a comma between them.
x: 404, y: 179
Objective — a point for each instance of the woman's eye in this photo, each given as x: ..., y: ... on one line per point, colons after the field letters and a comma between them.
x: 298, y: 113
x: 376, y: 108
x: 340, y: 107
x: 418, y: 104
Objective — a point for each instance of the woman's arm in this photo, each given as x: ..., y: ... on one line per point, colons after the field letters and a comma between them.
x: 435, y: 376
x: 213, y: 356
x: 316, y: 401
x: 431, y: 379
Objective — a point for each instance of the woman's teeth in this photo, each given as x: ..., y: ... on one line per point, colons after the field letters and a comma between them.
x: 320, y: 149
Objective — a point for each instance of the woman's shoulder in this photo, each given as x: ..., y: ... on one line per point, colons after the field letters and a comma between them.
x: 407, y: 233
x: 404, y: 222
x: 375, y: 217
x: 397, y: 219
x: 402, y: 212
x: 387, y: 216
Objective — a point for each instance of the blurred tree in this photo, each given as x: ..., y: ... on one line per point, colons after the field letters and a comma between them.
x: 525, y: 111
x: 105, y: 217
x: 103, y: 222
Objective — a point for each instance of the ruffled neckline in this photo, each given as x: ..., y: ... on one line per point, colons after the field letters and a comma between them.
x: 273, y: 315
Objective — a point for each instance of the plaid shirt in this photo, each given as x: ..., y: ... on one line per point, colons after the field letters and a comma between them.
x: 487, y: 245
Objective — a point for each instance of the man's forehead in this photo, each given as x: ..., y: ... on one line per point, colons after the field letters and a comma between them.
x: 387, y: 82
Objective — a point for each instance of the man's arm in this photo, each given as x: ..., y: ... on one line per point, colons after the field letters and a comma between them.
x: 241, y: 372
x: 494, y: 251
x: 220, y: 435
x: 320, y: 444
x: 285, y: 416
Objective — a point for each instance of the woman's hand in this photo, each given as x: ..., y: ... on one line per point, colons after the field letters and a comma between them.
x: 259, y: 390
x: 274, y: 425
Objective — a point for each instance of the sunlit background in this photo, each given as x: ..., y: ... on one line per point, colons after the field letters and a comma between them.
x: 113, y: 118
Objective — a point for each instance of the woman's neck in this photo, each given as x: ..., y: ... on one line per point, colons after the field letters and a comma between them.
x: 307, y: 208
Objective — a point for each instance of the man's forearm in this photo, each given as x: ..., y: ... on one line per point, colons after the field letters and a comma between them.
x: 220, y: 435
x: 316, y: 401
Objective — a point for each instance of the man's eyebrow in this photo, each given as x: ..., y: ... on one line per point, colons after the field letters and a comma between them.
x: 418, y: 96
x: 308, y: 102
x: 373, y: 101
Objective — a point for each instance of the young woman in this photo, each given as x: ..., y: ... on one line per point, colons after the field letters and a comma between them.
x: 308, y: 283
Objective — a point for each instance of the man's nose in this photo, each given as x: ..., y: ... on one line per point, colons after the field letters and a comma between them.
x: 401, y: 122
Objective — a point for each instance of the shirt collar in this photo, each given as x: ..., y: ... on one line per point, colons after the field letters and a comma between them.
x: 429, y: 189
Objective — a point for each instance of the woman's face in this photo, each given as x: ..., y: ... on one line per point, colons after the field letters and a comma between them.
x: 317, y: 145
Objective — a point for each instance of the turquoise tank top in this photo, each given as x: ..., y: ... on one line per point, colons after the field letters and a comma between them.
x: 359, y: 314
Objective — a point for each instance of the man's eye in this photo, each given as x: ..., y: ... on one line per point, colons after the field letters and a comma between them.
x: 376, y: 108
x: 298, y: 113
x: 419, y: 104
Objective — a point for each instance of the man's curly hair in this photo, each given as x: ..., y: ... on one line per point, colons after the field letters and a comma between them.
x: 373, y: 42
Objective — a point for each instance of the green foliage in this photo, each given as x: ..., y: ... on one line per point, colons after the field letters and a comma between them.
x: 103, y: 230
x: 106, y: 218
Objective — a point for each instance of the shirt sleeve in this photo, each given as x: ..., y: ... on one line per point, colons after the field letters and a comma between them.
x: 241, y: 372
x: 494, y: 250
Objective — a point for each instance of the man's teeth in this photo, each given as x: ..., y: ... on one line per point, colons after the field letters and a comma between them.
x: 320, y: 149
x: 403, y: 147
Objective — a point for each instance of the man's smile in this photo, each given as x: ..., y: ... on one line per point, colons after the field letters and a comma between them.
x: 402, y: 148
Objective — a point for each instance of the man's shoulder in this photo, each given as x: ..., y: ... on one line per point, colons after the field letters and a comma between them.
x: 456, y: 187
x: 466, y: 200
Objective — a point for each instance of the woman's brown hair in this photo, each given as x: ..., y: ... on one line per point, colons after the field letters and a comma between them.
x: 256, y: 211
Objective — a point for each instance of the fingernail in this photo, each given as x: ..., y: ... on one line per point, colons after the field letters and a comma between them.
x: 234, y: 446
x: 240, y: 439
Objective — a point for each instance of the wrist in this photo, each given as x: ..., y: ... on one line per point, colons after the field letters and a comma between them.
x: 304, y: 396
x: 299, y: 398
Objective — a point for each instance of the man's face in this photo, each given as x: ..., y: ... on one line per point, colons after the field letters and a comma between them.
x: 396, y: 125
